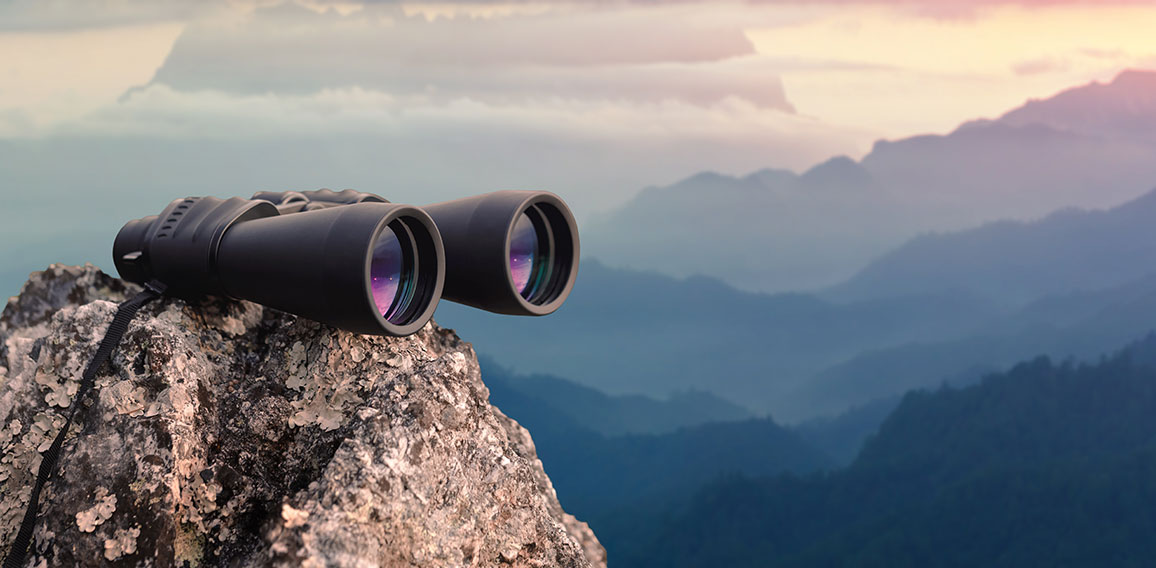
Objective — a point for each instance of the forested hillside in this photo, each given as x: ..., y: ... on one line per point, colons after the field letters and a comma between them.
x: 1048, y: 464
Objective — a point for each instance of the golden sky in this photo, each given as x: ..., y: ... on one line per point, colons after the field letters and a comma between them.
x: 901, y: 73
x: 60, y: 75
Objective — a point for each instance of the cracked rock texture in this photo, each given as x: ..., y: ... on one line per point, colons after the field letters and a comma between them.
x: 228, y: 434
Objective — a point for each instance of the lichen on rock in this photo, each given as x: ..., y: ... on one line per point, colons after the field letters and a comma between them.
x: 100, y: 512
x: 229, y: 434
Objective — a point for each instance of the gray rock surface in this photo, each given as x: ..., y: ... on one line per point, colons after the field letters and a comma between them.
x: 228, y: 434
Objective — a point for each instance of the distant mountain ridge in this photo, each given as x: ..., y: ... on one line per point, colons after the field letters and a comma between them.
x: 1016, y: 262
x: 596, y: 474
x: 772, y: 230
x: 734, y: 228
x: 589, y: 409
x: 1045, y: 464
x: 1078, y: 326
x: 629, y: 332
x: 1124, y: 107
x: 943, y: 307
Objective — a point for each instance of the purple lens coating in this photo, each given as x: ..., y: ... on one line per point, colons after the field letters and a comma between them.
x: 388, y: 274
x: 523, y: 249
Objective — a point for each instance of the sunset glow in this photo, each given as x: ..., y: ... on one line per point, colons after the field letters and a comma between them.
x: 898, y: 73
x: 50, y: 76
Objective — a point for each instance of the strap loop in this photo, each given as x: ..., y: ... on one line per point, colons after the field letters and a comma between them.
x: 112, y: 337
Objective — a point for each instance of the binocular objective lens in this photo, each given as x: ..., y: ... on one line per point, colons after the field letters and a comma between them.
x: 530, y: 254
x: 523, y: 251
x: 392, y: 273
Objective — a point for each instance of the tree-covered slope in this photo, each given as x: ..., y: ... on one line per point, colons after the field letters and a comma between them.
x: 606, y: 479
x: 594, y: 473
x: 1045, y: 465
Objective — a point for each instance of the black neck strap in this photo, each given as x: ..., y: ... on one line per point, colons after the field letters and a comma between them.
x: 112, y: 337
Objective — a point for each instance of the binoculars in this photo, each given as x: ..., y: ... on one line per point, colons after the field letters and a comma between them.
x: 356, y: 261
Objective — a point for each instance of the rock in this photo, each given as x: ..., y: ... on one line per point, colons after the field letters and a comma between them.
x: 230, y: 434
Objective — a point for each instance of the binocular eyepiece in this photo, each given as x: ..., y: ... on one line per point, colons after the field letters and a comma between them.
x: 355, y: 261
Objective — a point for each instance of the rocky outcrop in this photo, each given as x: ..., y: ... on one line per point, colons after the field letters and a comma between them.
x: 230, y: 434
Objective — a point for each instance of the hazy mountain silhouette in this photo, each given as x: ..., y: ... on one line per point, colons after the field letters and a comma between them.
x: 1076, y: 325
x: 945, y: 307
x: 770, y: 230
x: 941, y: 308
x: 1045, y: 464
x: 550, y: 398
x: 596, y: 475
x: 773, y: 230
x: 1124, y: 108
x: 1014, y: 263
x: 628, y: 332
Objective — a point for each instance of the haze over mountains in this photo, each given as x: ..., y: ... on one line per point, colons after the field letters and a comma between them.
x: 626, y: 332
x: 774, y: 230
x: 942, y: 308
x: 1012, y: 262
x: 547, y: 398
x: 1044, y: 448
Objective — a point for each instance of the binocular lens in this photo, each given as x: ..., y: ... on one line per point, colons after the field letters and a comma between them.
x: 531, y: 255
x: 509, y: 252
x: 392, y: 273
x: 523, y: 254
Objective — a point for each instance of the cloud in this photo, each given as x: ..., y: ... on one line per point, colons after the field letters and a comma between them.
x: 65, y: 15
x: 165, y: 112
x: 596, y: 102
x: 47, y: 77
x: 60, y: 15
x: 623, y: 54
x: 1041, y: 65
x: 559, y: 37
x: 600, y: 152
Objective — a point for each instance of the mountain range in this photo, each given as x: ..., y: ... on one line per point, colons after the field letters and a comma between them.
x: 774, y: 230
x: 627, y: 332
x: 947, y: 307
x: 551, y: 399
x: 596, y: 473
x: 1014, y: 263
x: 1077, y: 325
x: 937, y: 476
x: 1044, y: 464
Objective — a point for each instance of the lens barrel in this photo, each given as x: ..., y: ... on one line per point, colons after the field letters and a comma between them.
x: 319, y: 263
x: 509, y: 252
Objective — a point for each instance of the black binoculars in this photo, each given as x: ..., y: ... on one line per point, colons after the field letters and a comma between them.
x: 356, y: 261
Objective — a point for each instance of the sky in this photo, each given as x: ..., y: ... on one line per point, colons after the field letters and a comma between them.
x: 847, y: 72
x: 110, y: 108
x: 830, y: 78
